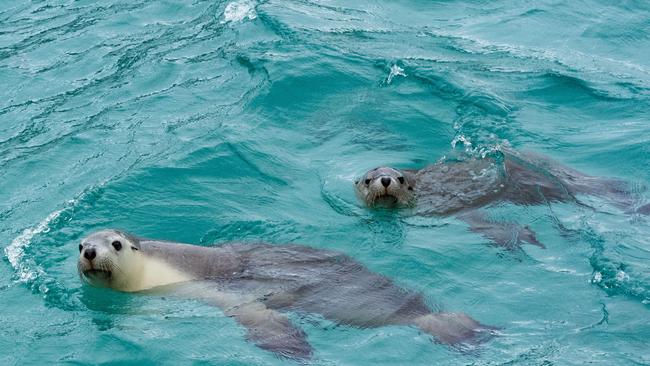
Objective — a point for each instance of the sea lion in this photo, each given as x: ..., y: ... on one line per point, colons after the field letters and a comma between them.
x: 460, y: 187
x: 258, y: 283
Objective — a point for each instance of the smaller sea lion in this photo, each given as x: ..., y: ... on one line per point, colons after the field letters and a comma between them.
x: 461, y: 187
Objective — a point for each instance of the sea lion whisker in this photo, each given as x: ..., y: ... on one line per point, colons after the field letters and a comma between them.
x: 116, y: 267
x: 102, y: 266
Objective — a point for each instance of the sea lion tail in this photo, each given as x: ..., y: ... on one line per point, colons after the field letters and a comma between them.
x: 455, y: 329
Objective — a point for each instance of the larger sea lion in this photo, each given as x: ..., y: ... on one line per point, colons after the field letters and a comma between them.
x: 258, y: 283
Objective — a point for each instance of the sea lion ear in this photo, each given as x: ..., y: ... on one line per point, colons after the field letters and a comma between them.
x: 135, y: 242
x: 356, y: 181
x: 410, y: 179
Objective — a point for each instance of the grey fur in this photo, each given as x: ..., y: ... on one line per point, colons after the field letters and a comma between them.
x: 257, y: 283
x: 460, y: 187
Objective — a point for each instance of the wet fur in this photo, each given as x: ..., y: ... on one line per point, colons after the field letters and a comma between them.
x: 460, y: 188
x: 257, y: 283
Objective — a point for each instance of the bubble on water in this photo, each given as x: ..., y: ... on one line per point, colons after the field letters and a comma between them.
x: 237, y: 11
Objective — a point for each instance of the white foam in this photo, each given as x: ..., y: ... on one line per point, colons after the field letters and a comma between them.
x: 395, y: 71
x: 597, y: 277
x: 15, y: 252
x: 622, y: 276
x: 238, y: 11
x: 463, y: 140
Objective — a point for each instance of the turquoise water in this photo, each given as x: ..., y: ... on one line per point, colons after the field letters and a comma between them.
x: 206, y: 122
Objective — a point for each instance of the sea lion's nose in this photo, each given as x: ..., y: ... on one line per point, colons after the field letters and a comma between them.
x: 90, y: 254
x: 385, y: 181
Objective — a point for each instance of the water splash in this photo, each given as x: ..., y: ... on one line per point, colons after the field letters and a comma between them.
x: 395, y: 70
x: 467, y: 143
x: 27, y: 270
x: 238, y: 11
x: 15, y: 252
x: 480, y: 151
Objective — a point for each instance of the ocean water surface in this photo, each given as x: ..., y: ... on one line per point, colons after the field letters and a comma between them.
x: 214, y: 121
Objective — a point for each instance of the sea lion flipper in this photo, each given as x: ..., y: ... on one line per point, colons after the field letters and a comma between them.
x: 506, y: 234
x: 271, y: 330
x: 455, y: 329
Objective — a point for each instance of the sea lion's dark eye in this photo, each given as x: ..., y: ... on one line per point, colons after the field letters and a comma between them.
x: 81, y: 247
x: 410, y: 188
x: 117, y: 245
x: 367, y: 181
x: 401, y: 180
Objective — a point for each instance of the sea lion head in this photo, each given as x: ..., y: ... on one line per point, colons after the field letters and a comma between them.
x: 110, y: 258
x: 385, y: 186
